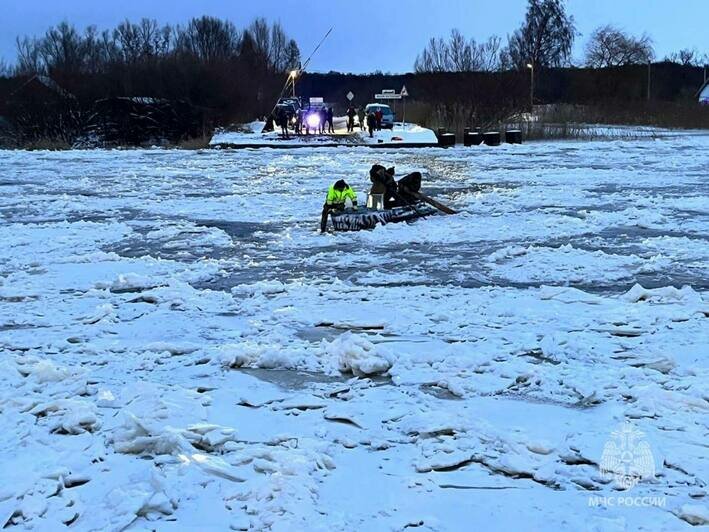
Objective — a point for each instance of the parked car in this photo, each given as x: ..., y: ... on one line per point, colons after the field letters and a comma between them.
x: 387, y: 113
x: 290, y: 106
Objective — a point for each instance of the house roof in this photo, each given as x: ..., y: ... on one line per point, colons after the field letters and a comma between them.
x: 47, y: 82
x: 704, y: 85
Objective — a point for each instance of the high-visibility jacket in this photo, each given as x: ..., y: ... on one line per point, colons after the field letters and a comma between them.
x: 338, y: 197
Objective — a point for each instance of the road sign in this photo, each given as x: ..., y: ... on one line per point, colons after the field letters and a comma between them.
x: 389, y: 91
x: 350, y: 96
x: 387, y: 96
x: 404, y: 92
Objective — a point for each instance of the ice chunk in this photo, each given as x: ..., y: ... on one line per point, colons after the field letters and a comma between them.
x: 47, y: 371
x: 69, y: 416
x: 356, y: 354
x: 694, y: 514
x: 638, y: 293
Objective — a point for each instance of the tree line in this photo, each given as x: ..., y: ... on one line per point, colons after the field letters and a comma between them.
x: 545, y: 39
x: 65, y: 49
x: 207, y: 61
x: 210, y: 68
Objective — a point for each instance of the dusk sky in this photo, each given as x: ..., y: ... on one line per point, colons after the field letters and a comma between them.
x: 370, y: 35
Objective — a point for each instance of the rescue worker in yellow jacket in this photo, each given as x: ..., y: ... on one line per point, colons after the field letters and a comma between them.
x: 337, y: 194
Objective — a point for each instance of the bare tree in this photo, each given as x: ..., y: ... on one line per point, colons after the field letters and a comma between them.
x: 434, y: 57
x: 486, y: 55
x: 29, y: 60
x: 279, y: 42
x: 292, y: 55
x: 5, y: 69
x: 261, y: 37
x: 63, y: 48
x: 688, y: 57
x: 545, y: 38
x: 271, y: 45
x: 208, y: 39
x: 609, y: 46
x: 458, y: 55
x: 142, y: 41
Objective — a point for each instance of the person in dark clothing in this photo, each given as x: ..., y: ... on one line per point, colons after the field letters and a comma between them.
x: 408, y: 187
x: 378, y: 116
x: 361, y: 117
x: 371, y: 124
x: 396, y: 194
x: 298, y: 126
x: 270, y: 123
x: 383, y: 183
x: 351, y: 113
x: 283, y: 122
x: 330, y: 120
x: 323, y: 120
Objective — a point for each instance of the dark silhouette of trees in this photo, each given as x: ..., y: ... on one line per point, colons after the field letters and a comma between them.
x: 459, y: 54
x: 609, y: 47
x: 142, y: 41
x: 545, y: 38
x: 688, y: 57
x: 208, y: 39
x: 207, y: 65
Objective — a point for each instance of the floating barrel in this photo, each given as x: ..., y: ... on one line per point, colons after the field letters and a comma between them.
x: 513, y: 136
x: 492, y: 138
x: 446, y: 139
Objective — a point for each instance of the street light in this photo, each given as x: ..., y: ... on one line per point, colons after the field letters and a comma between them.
x: 293, y: 74
x: 530, y: 66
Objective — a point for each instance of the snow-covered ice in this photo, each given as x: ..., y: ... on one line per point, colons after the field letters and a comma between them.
x: 181, y: 350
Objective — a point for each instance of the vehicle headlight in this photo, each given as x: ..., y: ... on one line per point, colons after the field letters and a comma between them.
x: 313, y: 120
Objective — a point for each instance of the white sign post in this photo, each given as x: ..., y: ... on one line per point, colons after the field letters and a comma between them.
x: 404, y: 94
x: 391, y: 94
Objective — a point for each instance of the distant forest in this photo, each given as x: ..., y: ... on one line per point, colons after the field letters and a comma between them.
x: 144, y: 82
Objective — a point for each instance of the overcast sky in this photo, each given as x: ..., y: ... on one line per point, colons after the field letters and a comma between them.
x: 369, y: 35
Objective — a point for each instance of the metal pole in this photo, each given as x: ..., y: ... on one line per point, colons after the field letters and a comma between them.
x: 531, y: 89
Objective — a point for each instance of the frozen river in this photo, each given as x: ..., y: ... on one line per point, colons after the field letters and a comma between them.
x: 181, y: 348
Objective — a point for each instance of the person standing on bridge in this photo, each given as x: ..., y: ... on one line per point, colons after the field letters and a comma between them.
x: 362, y: 117
x: 371, y: 123
x: 351, y: 113
x: 378, y: 115
x: 330, y: 120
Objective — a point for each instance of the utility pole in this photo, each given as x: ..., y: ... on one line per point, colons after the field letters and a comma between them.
x: 649, y: 79
x: 530, y: 66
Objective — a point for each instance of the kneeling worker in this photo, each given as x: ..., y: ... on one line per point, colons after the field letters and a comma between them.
x: 337, y: 194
